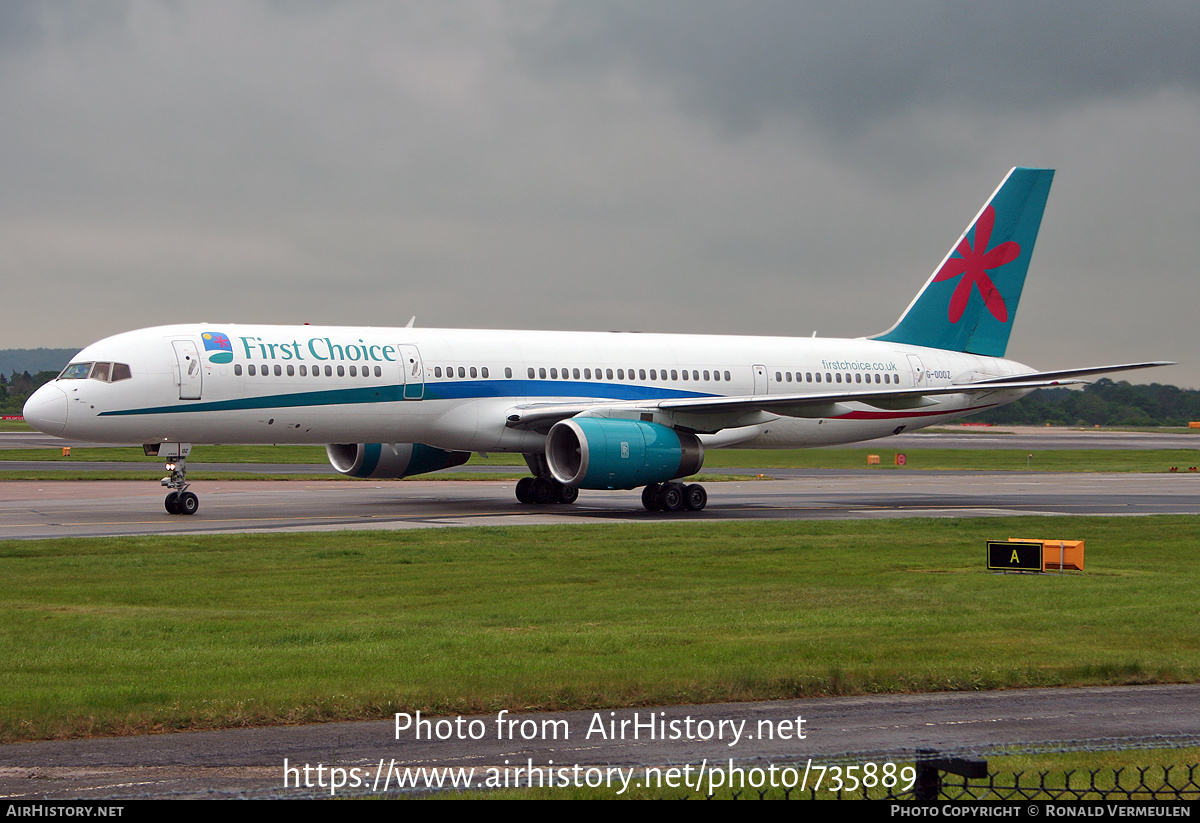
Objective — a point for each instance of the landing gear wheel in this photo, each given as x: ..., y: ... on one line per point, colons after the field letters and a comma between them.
x: 670, y: 497
x: 695, y: 497
x: 525, y: 490
x: 188, y: 503
x: 544, y: 491
x: 567, y: 494
x: 650, y: 497
x: 172, y: 503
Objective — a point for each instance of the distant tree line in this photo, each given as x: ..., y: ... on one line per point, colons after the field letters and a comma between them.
x: 1104, y: 403
x: 16, y: 388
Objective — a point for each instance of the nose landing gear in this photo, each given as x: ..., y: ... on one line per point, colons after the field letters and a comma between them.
x: 179, y: 500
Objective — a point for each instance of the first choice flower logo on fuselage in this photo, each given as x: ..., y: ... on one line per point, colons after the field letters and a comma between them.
x: 219, y: 344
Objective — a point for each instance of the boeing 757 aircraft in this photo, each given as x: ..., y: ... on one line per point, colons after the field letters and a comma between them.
x: 588, y: 410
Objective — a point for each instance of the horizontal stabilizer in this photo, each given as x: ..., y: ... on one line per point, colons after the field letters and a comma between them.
x: 1072, y: 374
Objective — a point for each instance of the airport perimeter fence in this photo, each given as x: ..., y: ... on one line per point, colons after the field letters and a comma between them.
x: 947, y: 777
x: 1150, y: 783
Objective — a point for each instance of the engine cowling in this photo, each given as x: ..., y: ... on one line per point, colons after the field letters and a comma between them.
x: 379, y: 461
x: 602, y: 453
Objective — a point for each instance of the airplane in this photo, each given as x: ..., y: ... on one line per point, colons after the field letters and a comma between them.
x: 588, y: 410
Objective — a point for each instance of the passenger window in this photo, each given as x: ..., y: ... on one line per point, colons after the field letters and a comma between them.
x: 237, y: 369
x: 554, y: 374
x: 354, y: 371
x: 341, y: 371
x: 473, y: 372
x: 250, y: 370
x: 508, y: 371
x: 278, y: 371
x: 291, y: 370
x: 857, y: 378
x: 674, y: 374
x: 437, y: 371
x: 641, y: 374
x: 727, y: 377
x: 684, y: 374
x: 304, y: 371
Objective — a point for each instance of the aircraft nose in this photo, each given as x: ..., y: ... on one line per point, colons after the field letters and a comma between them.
x: 46, y: 410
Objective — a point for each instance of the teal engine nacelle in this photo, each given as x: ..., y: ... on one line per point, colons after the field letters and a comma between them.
x: 385, y: 460
x: 602, y: 453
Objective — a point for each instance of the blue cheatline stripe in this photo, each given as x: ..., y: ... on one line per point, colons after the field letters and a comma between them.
x: 458, y: 390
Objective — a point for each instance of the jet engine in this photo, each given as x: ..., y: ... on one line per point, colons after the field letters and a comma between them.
x: 386, y: 460
x: 602, y: 453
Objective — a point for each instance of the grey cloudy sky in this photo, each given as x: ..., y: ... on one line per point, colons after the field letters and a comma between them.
x: 756, y: 168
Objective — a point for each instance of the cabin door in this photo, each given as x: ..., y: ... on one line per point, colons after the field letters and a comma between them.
x: 760, y: 379
x: 918, y: 370
x: 412, y: 372
x: 188, y: 374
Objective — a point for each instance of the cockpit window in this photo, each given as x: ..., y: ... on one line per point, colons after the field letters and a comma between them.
x: 105, y: 372
x: 76, y: 371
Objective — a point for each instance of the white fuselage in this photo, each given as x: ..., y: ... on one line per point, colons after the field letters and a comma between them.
x: 454, y: 389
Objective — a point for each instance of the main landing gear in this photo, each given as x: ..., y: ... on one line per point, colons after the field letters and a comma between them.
x: 674, y: 497
x: 543, y: 489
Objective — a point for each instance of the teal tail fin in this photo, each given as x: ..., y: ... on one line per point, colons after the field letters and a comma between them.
x: 969, y: 303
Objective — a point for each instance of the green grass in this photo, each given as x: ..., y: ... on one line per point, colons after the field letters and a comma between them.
x: 1066, y: 460
x: 146, y: 633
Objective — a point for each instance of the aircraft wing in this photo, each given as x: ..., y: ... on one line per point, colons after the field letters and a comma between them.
x: 738, y: 409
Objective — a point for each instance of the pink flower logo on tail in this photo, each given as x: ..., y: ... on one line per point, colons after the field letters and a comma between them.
x: 973, y: 263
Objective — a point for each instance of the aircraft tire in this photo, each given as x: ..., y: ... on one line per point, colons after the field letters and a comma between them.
x: 172, y: 502
x: 543, y: 491
x: 671, y: 497
x: 568, y: 494
x: 650, y: 497
x: 188, y: 503
x: 695, y: 497
x: 525, y: 490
